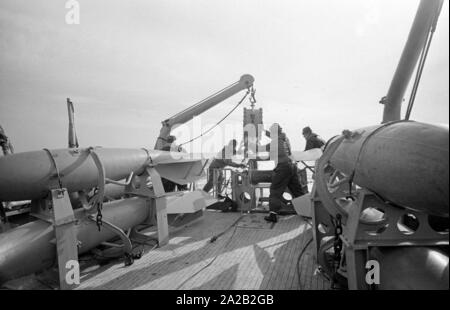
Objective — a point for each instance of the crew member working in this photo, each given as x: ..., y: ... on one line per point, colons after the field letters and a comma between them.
x: 284, y: 175
x: 170, y: 146
x: 222, y: 159
x: 313, y: 141
x: 5, y: 144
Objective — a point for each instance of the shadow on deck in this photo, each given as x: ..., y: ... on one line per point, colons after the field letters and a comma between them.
x: 249, y: 255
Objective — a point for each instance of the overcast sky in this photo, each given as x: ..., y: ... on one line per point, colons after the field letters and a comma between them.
x: 129, y: 65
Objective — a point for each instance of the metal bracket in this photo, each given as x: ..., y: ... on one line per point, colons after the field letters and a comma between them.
x: 66, y: 237
x: 156, y: 195
x: 361, y: 234
x: 321, y: 185
x: 161, y: 206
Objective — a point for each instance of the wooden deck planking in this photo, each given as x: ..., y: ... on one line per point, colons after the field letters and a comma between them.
x: 190, y: 265
x: 273, y: 270
x: 299, y: 247
x: 269, y: 271
x: 244, y: 258
x: 276, y: 276
x: 251, y: 271
x: 293, y: 249
x: 207, y: 276
x: 217, y: 268
x: 290, y: 259
x: 255, y: 274
x: 265, y: 260
x: 278, y: 262
x: 225, y: 276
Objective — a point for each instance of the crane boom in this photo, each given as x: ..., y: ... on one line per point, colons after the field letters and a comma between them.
x: 245, y: 82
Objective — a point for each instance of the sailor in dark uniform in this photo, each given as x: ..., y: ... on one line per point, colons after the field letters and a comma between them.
x: 284, y: 175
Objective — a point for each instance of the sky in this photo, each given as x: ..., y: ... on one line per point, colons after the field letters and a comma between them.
x: 128, y: 65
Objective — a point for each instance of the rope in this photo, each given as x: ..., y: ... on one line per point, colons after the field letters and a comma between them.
x: 213, y: 239
x: 218, y: 123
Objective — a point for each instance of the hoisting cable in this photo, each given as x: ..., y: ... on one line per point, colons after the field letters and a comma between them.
x: 422, y: 62
x: 220, y: 121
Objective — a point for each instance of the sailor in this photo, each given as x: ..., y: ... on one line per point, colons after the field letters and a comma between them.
x: 170, y: 146
x: 5, y: 144
x: 313, y: 141
x: 284, y: 175
x: 222, y: 159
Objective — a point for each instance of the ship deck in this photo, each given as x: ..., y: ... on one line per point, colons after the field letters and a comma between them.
x: 249, y: 253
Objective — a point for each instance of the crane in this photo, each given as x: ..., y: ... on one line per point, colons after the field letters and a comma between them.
x: 245, y: 82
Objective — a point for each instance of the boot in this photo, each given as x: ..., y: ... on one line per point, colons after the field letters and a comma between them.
x: 272, y: 217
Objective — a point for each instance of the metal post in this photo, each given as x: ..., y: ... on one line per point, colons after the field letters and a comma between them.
x: 356, y: 274
x: 161, y: 206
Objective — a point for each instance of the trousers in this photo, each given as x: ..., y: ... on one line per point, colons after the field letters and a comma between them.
x: 283, y: 176
x: 209, y: 185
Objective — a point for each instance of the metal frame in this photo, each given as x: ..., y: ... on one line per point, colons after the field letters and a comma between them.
x: 157, y: 200
x: 240, y: 184
x: 65, y: 233
x: 57, y: 210
x: 360, y: 235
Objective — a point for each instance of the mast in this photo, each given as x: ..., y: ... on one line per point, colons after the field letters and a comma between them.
x: 426, y: 17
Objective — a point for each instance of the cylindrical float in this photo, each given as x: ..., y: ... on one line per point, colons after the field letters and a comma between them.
x: 404, y: 162
x: 29, y: 248
x: 28, y: 175
x: 412, y: 268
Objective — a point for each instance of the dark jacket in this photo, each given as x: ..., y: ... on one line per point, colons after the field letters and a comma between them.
x: 314, y: 142
x: 284, y: 147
